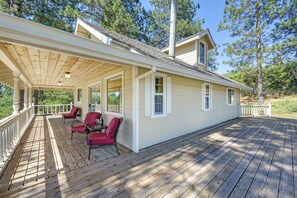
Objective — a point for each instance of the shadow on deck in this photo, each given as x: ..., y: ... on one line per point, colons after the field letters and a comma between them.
x: 240, y: 158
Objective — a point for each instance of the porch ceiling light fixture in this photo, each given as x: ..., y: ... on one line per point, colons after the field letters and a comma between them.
x: 59, y: 83
x: 67, y: 74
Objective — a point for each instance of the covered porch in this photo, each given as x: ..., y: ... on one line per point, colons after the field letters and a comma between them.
x: 49, y: 59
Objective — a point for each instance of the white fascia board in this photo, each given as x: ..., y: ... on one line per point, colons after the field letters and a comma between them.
x: 199, y: 36
x: 102, y: 37
x: 20, y: 31
x: 207, y: 32
x: 182, y: 43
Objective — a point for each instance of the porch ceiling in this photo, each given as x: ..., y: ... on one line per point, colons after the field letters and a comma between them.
x: 44, y: 69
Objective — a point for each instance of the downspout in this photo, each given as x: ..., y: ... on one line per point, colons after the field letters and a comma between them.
x: 172, y: 29
x: 135, y: 138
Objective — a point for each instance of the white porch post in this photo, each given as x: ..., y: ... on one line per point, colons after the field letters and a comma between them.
x: 25, y: 95
x: 16, y: 93
x: 30, y: 95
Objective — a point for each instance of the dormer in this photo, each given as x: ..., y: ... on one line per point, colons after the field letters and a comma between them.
x: 193, y: 50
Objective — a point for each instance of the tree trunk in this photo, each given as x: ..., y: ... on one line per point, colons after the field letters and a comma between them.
x: 259, y: 54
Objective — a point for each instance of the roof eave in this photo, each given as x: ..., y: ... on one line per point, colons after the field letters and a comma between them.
x: 19, y: 31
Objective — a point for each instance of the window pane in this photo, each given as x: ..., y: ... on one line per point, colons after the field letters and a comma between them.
x: 202, y: 53
x: 206, y: 102
x: 95, y: 98
x: 158, y: 104
x: 159, y: 85
x: 231, y: 98
x: 114, y: 94
x: 207, y: 90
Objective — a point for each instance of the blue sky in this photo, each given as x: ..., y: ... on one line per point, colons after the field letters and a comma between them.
x: 212, y: 12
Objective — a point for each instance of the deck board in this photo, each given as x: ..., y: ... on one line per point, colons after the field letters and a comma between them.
x: 247, y: 157
x: 47, y: 150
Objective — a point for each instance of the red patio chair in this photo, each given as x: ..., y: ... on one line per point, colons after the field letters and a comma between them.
x: 109, y: 137
x: 90, y: 120
x: 71, y: 115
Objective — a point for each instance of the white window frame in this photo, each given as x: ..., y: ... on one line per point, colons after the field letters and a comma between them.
x: 106, y: 97
x: 204, y: 43
x: 79, y: 101
x: 204, y: 96
x: 227, y: 96
x: 89, y: 95
x: 164, y: 76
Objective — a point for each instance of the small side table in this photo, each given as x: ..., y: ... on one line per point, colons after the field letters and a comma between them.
x: 98, y: 127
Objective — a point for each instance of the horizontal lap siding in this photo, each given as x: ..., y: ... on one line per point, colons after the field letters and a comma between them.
x: 187, y: 115
x: 187, y: 53
x: 125, y: 133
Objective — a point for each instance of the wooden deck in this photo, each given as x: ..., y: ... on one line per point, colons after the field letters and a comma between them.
x: 251, y: 157
x: 47, y: 150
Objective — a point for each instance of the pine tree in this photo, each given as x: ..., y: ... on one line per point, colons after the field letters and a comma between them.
x: 265, y: 30
x: 54, y: 13
x: 284, y: 30
x: 248, y: 22
x: 187, y: 21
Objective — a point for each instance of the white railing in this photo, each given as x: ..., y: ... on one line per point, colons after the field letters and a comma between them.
x: 114, y: 108
x: 52, y: 109
x: 255, y: 110
x: 12, y: 128
x: 96, y: 107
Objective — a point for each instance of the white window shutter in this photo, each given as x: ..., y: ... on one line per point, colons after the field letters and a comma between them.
x: 168, y: 94
x: 203, y: 96
x: 147, y: 96
x: 210, y: 96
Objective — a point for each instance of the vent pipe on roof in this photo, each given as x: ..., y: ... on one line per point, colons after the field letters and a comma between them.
x: 172, y: 28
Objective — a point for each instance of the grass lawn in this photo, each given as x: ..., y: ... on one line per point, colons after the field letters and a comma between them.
x: 283, y: 106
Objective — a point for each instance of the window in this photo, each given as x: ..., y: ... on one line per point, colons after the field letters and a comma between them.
x: 230, y: 99
x: 79, y: 95
x: 159, y: 96
x: 206, y: 96
x: 114, y: 87
x: 202, y: 53
x: 95, y: 97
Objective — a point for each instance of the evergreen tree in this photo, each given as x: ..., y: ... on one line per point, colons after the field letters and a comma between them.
x: 212, y: 63
x: 248, y: 21
x: 284, y: 29
x: 54, y: 13
x: 187, y: 21
x: 265, y: 29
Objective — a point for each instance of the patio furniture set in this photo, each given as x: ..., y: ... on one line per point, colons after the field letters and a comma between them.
x: 98, y: 134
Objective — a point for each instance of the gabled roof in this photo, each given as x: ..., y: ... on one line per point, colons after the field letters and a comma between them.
x: 27, y: 33
x: 156, y: 53
x: 204, y: 33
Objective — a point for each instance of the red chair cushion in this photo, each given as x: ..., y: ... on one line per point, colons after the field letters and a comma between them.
x: 91, y: 117
x: 99, y: 139
x: 79, y: 128
x: 68, y: 115
x: 74, y: 111
x: 112, y: 127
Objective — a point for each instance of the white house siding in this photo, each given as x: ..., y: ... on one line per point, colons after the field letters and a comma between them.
x: 187, y: 53
x: 187, y: 115
x: 125, y: 133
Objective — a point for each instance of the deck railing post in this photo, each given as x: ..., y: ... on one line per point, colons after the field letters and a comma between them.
x: 269, y: 110
x: 239, y: 110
